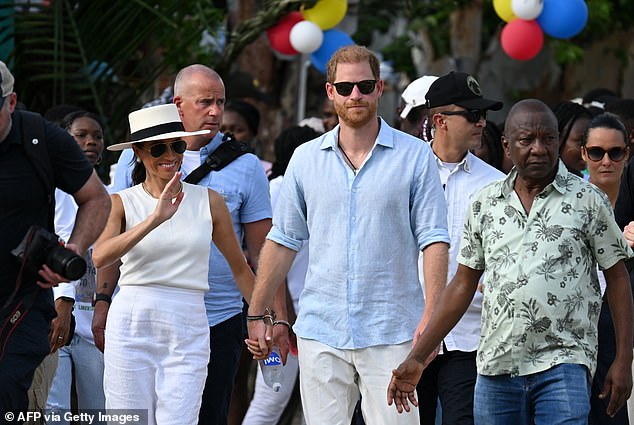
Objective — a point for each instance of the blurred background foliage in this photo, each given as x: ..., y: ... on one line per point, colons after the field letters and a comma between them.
x: 107, y: 55
x: 432, y: 17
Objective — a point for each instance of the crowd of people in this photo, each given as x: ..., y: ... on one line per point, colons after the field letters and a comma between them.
x: 445, y: 270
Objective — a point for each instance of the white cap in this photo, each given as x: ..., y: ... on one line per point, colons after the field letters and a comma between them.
x: 414, y: 93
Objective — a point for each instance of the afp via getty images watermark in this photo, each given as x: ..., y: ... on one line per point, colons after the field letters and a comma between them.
x: 90, y: 417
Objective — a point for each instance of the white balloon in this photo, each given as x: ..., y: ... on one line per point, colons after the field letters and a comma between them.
x: 306, y: 37
x: 527, y: 9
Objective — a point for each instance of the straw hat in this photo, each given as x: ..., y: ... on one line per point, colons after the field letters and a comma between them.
x: 155, y: 123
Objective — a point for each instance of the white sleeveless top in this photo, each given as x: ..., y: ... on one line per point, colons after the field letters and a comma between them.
x: 176, y: 253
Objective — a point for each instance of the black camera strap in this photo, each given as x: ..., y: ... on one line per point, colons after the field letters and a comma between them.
x: 229, y: 149
x: 15, y: 316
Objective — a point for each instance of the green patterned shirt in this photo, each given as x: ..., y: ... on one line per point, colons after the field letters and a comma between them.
x: 541, y: 293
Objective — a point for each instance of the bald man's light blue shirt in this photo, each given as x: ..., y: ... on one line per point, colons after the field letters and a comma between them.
x: 366, y: 230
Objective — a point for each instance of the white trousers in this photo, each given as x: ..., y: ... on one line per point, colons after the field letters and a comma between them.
x: 156, y: 353
x: 331, y: 380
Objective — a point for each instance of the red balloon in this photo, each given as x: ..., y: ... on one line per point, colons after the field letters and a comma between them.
x: 279, y: 34
x: 521, y: 39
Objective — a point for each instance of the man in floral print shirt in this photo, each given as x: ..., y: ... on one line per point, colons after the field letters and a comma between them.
x: 538, y: 235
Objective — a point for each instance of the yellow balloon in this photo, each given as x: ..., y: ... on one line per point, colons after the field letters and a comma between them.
x: 504, y: 9
x: 328, y: 13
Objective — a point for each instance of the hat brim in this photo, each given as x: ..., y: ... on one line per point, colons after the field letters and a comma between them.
x: 406, y: 110
x: 172, y: 135
x: 480, y: 103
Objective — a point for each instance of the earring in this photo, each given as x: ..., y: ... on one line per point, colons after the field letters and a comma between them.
x: 138, y: 161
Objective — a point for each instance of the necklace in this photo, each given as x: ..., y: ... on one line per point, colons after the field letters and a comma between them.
x: 180, y: 189
x: 348, y: 160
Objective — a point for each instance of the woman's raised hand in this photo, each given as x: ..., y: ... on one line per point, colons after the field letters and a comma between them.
x: 170, y: 198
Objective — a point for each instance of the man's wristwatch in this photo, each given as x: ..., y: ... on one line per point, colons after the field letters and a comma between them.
x: 101, y: 297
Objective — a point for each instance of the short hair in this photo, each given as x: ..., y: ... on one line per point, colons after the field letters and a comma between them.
x: 185, y: 74
x: 67, y: 122
x: 605, y: 120
x: 352, y: 54
x: 523, y: 106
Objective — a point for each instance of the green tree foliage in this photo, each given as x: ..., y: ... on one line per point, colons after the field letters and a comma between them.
x: 104, y: 55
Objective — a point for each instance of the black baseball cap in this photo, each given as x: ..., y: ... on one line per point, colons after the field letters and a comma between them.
x: 459, y: 88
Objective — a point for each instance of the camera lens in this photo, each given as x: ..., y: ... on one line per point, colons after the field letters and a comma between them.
x: 65, y: 262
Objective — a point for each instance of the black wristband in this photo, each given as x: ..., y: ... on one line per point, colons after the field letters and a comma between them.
x: 101, y: 297
x: 284, y: 322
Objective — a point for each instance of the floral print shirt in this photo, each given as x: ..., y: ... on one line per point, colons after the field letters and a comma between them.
x: 541, y: 293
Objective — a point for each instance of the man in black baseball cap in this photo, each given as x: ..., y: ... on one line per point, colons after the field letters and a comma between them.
x: 459, y: 88
x: 457, y: 115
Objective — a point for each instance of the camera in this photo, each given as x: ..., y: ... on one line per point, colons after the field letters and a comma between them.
x: 40, y: 246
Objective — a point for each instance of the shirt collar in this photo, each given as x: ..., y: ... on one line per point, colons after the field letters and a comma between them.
x: 212, y: 145
x: 559, y: 183
x: 466, y: 163
x: 385, y: 137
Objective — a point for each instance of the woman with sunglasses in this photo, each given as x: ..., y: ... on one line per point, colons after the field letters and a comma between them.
x: 157, y: 337
x: 604, y: 148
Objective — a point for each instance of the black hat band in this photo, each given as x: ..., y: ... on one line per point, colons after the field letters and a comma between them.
x: 170, y: 127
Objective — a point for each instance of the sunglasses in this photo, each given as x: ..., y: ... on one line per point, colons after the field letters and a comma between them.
x: 472, y: 115
x: 344, y: 88
x: 178, y: 146
x: 597, y: 154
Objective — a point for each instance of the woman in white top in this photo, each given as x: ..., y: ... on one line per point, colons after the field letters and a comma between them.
x: 157, y: 338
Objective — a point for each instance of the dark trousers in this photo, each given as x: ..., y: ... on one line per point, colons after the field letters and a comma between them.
x: 450, y: 377
x: 605, y: 357
x: 227, y: 339
x: 25, y: 349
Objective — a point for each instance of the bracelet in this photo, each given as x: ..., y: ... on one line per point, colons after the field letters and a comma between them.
x: 284, y: 322
x: 269, y: 315
x: 101, y: 297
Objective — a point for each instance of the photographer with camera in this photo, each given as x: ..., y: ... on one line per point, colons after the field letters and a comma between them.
x: 35, y: 157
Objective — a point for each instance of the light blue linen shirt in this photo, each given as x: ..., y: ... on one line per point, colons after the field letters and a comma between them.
x: 245, y: 188
x: 365, y: 230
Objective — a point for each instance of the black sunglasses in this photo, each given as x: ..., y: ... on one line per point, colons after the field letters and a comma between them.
x: 344, y: 88
x: 597, y: 154
x: 178, y: 146
x: 471, y: 115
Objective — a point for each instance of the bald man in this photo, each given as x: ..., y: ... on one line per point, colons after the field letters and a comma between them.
x: 538, y: 237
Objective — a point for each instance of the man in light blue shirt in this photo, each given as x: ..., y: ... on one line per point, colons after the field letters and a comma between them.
x: 199, y: 93
x: 369, y: 198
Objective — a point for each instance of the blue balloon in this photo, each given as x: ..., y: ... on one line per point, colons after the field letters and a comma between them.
x: 333, y: 39
x: 563, y: 18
